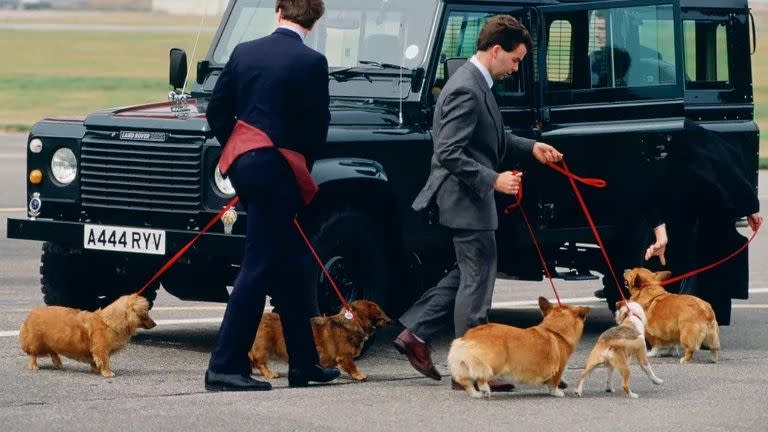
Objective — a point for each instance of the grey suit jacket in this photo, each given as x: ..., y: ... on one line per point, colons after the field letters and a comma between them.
x: 469, y: 144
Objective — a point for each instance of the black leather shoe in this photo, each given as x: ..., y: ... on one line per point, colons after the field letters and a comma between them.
x: 301, y: 377
x: 233, y: 382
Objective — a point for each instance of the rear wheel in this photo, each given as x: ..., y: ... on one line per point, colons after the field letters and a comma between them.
x: 351, y: 249
x: 358, y: 261
x: 73, y: 278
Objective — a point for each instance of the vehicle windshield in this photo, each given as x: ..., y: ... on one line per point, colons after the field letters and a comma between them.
x: 394, y: 32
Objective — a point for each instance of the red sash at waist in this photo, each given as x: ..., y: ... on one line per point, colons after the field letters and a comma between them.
x: 245, y: 138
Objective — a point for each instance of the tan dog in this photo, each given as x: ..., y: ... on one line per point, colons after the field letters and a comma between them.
x: 339, y: 340
x: 534, y: 355
x: 617, y: 345
x: 89, y: 337
x: 673, y: 319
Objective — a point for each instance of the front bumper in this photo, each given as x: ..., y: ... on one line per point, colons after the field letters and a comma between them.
x: 71, y: 234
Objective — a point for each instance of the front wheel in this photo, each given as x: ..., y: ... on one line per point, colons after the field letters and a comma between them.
x: 73, y: 278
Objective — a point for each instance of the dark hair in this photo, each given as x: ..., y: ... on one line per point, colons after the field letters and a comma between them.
x: 302, y: 12
x: 503, y: 30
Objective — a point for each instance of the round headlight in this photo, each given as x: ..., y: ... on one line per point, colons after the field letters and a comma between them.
x: 222, y: 183
x: 64, y: 166
x: 36, y: 145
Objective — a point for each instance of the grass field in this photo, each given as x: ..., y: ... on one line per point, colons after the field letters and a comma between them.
x: 97, y: 17
x: 49, y: 73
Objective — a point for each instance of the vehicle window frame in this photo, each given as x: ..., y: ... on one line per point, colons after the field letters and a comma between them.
x: 518, y: 100
x: 738, y: 47
x: 609, y: 94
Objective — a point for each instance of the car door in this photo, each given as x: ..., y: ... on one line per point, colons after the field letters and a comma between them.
x: 611, y: 100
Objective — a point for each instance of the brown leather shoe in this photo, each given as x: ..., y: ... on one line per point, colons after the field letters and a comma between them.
x: 418, y: 354
x: 495, y: 385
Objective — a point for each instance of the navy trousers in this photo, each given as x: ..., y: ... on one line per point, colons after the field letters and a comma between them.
x: 275, y: 263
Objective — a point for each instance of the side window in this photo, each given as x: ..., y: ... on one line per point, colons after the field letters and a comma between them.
x: 611, y: 48
x: 459, y: 44
x: 560, y: 68
x: 706, y: 55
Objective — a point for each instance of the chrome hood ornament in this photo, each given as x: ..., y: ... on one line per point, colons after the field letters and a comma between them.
x: 179, y: 105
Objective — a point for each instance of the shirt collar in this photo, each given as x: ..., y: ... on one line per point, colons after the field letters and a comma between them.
x: 294, y: 29
x: 486, y: 73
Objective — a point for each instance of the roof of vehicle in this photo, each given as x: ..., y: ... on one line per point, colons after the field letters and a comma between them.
x: 728, y: 4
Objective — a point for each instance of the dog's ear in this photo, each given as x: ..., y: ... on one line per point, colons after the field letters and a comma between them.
x: 629, y: 277
x: 662, y: 275
x: 621, y: 314
x: 544, y: 305
x: 582, y: 312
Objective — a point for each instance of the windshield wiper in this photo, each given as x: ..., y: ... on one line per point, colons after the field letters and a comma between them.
x: 382, y: 65
x: 346, y: 73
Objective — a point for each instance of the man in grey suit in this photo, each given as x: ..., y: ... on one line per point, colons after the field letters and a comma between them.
x: 469, y: 144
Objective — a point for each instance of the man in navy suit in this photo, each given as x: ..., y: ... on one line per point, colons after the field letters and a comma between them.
x: 269, y: 109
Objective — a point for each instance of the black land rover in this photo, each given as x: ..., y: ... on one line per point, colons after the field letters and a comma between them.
x: 609, y: 83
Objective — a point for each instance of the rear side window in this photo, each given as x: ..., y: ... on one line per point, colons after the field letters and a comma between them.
x: 706, y: 55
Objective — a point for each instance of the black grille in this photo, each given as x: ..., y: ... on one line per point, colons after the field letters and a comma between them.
x: 138, y: 175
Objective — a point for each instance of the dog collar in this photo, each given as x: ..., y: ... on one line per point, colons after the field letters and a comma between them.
x: 634, y: 314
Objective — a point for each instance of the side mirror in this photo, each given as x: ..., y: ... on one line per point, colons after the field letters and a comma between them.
x: 178, y: 70
x: 203, y: 67
x: 417, y: 79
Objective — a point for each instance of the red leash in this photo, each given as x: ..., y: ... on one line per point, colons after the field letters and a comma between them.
x: 189, y: 244
x: 713, y: 265
x: 349, y: 314
x: 518, y: 205
x: 594, y: 183
x: 572, y: 178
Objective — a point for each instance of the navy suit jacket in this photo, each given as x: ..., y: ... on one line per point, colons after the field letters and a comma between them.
x: 279, y: 85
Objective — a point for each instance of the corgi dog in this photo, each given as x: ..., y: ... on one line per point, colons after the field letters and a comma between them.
x: 673, y: 319
x: 617, y: 345
x: 534, y: 355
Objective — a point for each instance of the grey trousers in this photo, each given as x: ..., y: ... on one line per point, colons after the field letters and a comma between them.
x: 464, y: 293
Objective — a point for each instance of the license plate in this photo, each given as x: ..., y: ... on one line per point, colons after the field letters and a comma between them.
x: 124, y: 239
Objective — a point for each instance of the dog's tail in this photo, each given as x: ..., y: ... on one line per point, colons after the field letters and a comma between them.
x: 712, y: 338
x: 464, y: 364
x: 620, y: 344
x: 23, y: 340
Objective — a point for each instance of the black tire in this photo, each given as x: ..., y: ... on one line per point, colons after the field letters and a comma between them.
x: 356, y: 257
x: 73, y: 279
x: 358, y: 260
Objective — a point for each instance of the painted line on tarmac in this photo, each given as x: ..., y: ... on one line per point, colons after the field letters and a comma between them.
x: 577, y: 300
x: 188, y: 308
x: 15, y: 333
x: 496, y: 305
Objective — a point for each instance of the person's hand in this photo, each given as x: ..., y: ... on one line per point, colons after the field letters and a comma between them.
x: 660, y: 246
x: 657, y: 249
x: 508, y: 182
x: 755, y: 220
x: 546, y: 153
